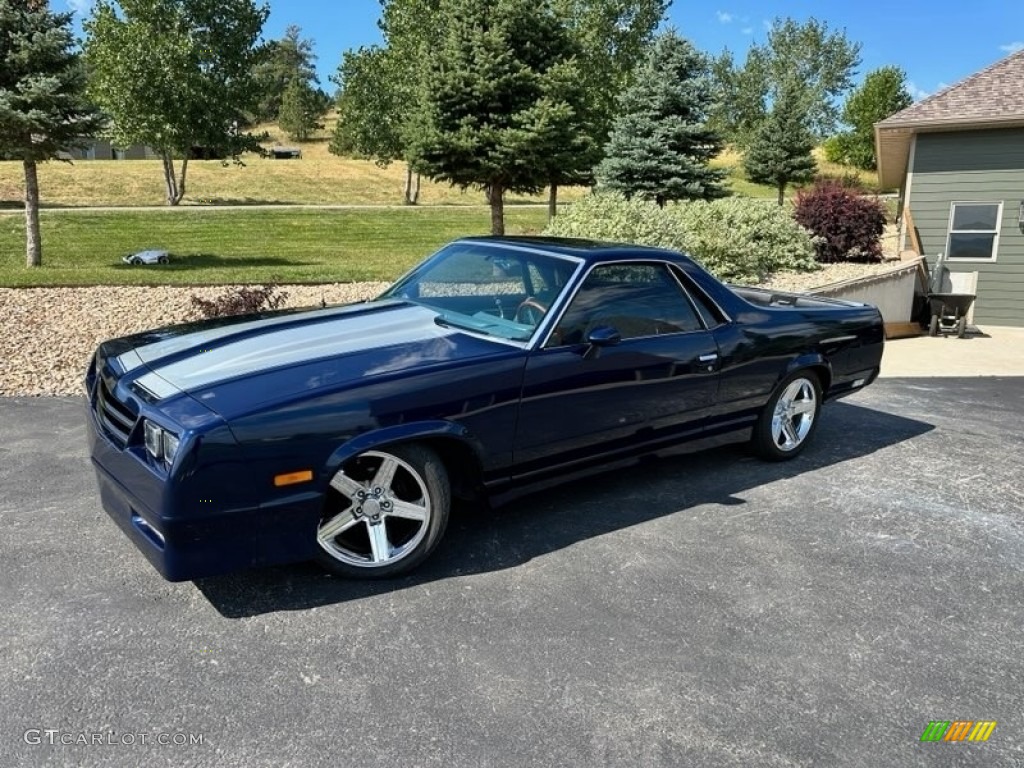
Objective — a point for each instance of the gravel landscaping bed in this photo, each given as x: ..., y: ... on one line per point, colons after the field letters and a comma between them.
x: 48, y: 334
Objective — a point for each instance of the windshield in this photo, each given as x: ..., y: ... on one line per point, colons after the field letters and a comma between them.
x: 486, y: 288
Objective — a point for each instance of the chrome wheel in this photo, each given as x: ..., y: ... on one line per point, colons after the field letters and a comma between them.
x: 789, y: 418
x: 381, y: 511
x: 794, y: 415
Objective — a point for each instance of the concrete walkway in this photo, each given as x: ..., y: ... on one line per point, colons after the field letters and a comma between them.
x: 992, y: 351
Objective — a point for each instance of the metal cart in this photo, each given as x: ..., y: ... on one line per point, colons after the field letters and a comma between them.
x: 948, y: 310
x: 949, y: 313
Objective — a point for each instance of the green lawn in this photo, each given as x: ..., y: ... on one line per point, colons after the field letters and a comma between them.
x: 239, y: 246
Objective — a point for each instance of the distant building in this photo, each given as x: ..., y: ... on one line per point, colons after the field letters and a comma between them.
x: 100, y: 149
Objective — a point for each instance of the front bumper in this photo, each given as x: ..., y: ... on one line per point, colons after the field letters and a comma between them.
x: 185, y: 543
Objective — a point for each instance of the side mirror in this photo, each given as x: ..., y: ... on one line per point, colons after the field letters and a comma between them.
x: 600, y: 337
x: 604, y: 336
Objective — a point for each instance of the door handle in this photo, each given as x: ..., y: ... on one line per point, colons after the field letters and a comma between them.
x: 707, y: 363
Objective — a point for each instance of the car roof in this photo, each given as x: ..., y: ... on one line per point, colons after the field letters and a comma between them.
x: 588, y: 250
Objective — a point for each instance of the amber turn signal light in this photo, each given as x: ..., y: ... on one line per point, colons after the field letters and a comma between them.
x: 292, y: 478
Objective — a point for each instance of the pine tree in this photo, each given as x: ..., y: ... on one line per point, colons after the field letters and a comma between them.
x: 494, y: 103
x: 780, y: 152
x: 660, y: 144
x: 300, y: 111
x: 43, y: 109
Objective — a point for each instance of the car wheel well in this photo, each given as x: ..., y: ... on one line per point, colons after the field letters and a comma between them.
x: 461, y: 463
x: 824, y: 376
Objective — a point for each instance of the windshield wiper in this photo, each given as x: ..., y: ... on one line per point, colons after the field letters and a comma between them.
x: 447, y: 322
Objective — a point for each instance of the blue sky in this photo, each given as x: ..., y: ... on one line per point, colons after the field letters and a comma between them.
x: 936, y: 42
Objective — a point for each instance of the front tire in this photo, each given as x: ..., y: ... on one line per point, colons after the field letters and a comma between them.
x: 386, y: 512
x: 789, y: 419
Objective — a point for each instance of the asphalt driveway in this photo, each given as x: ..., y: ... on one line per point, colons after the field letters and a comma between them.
x: 707, y: 610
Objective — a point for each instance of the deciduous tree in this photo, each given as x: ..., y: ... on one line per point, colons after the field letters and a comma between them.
x: 612, y: 37
x: 660, y: 144
x: 821, y: 60
x: 379, y: 87
x: 883, y: 93
x: 43, y: 108
x: 176, y: 75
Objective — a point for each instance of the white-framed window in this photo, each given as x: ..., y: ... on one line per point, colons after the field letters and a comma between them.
x: 974, y: 231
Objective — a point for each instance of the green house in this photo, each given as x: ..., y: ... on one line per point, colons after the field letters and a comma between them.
x: 957, y: 158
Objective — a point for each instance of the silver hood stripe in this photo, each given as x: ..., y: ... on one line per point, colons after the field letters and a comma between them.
x: 161, y: 349
x: 300, y: 343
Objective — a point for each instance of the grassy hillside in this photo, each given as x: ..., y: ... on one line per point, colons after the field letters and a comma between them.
x: 319, y: 178
x: 733, y: 161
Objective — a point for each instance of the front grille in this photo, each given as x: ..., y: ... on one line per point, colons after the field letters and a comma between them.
x: 114, y: 415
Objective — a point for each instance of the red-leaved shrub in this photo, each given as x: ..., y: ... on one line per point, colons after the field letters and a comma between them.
x: 847, y: 226
x: 240, y: 301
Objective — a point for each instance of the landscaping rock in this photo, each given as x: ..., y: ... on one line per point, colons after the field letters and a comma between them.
x: 48, y: 334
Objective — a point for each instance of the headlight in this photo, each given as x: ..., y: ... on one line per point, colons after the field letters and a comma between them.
x: 170, y: 446
x: 160, y: 444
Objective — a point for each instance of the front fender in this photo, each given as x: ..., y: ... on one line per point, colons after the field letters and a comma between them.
x: 403, y: 433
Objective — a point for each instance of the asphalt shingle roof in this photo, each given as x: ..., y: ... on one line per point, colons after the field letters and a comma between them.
x: 991, y: 98
x: 995, y: 92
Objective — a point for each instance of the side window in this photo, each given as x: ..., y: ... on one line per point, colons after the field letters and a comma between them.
x: 636, y: 299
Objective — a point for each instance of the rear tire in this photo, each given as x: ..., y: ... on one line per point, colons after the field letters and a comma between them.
x: 933, y: 326
x: 789, y: 419
x: 386, y: 511
x: 961, y: 328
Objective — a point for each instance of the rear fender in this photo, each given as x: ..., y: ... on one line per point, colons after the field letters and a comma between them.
x: 811, y: 360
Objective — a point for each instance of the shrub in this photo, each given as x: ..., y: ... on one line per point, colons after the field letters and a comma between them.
x: 743, y: 240
x: 240, y: 301
x: 736, y: 239
x: 612, y: 218
x: 848, y: 226
x: 849, y: 179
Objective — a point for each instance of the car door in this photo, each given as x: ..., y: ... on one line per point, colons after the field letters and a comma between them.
x: 658, y: 383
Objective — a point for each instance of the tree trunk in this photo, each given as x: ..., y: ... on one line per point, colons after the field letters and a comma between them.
x: 496, y: 197
x: 175, y: 187
x: 412, y: 187
x: 782, y: 193
x: 181, y: 184
x: 553, y: 202
x: 33, y: 243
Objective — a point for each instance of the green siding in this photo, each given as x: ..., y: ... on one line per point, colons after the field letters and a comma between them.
x: 974, y: 166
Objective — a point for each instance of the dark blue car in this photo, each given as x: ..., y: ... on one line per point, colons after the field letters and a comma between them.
x: 342, y: 434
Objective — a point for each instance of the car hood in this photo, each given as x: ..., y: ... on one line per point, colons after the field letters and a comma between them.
x: 237, y: 364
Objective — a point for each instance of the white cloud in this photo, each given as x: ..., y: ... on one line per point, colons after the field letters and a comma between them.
x: 747, y: 30
x: 1012, y: 47
x: 941, y: 86
x: 916, y: 93
x: 80, y: 6
x: 725, y: 18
